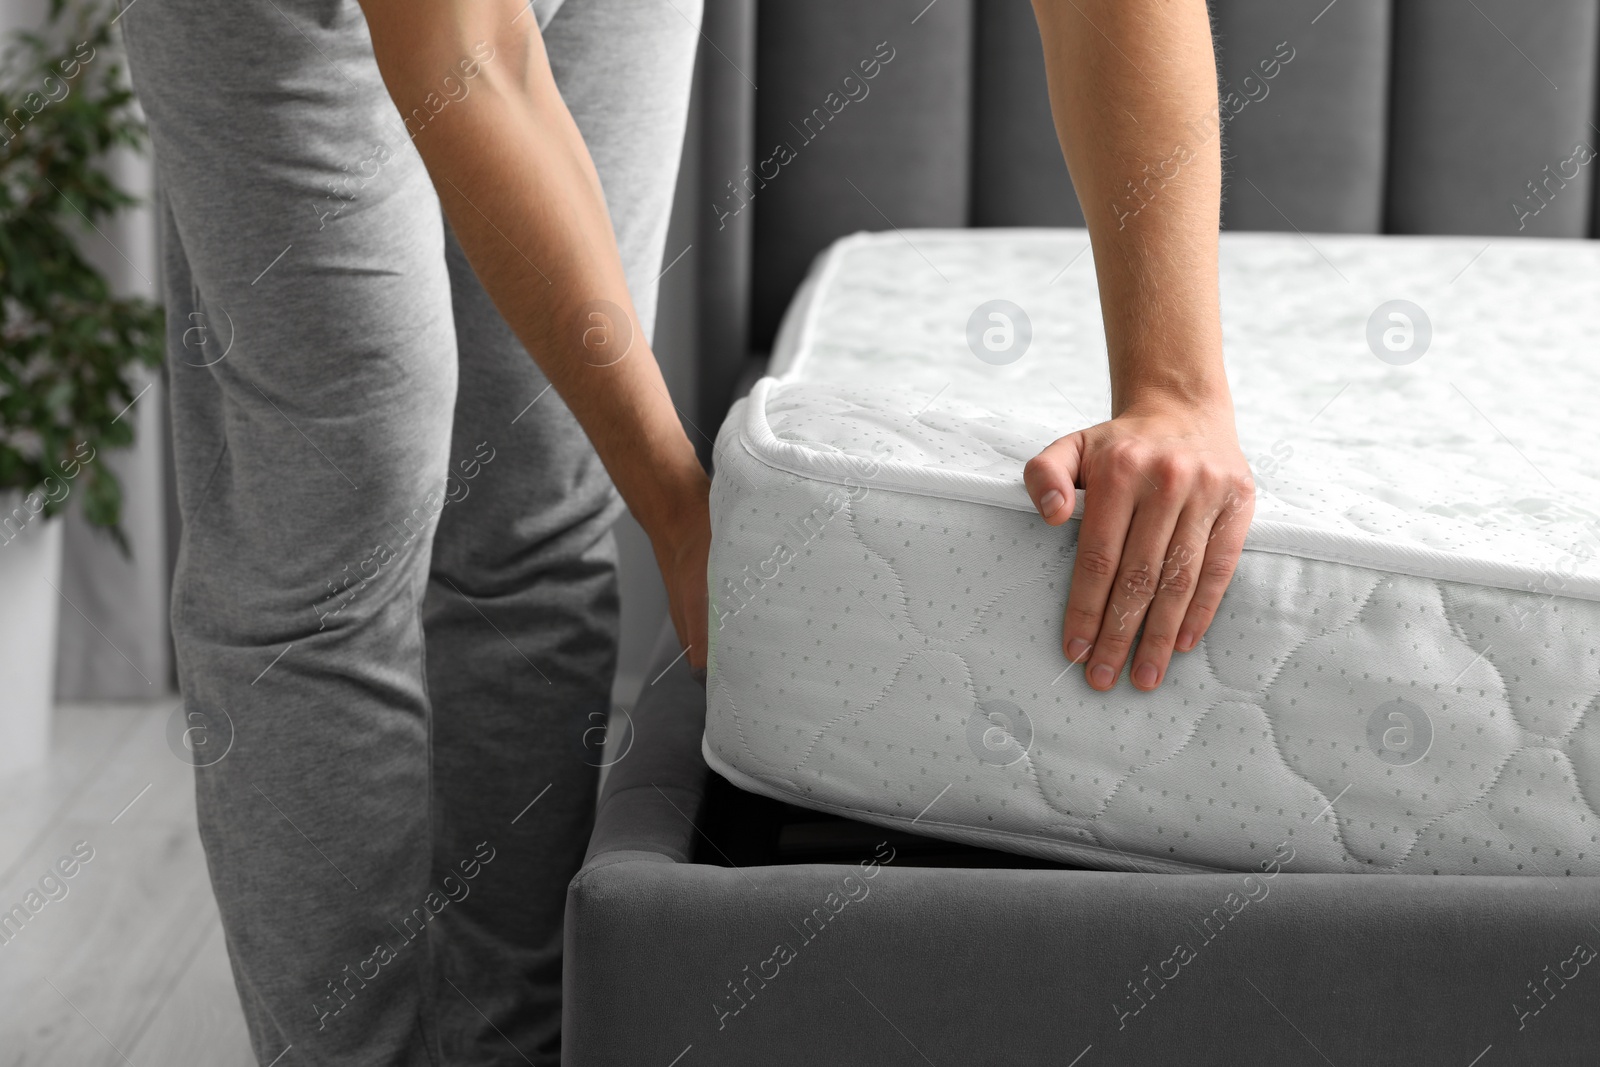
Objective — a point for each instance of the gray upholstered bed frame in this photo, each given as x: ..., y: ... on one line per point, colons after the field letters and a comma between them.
x: 1403, y: 116
x: 667, y: 957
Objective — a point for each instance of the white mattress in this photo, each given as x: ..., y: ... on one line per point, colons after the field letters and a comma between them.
x: 1404, y: 673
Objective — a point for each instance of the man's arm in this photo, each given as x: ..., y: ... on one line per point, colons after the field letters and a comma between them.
x: 1168, y: 494
x: 523, y: 197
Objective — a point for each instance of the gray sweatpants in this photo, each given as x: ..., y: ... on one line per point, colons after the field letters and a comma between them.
x: 395, y: 598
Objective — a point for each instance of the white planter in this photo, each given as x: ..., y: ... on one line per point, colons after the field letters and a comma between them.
x: 30, y: 609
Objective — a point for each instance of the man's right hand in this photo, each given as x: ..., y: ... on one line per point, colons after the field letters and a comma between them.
x: 682, y: 547
x: 1167, y: 502
x: 520, y: 190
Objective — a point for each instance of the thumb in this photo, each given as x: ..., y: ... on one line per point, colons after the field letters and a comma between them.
x: 1051, y: 478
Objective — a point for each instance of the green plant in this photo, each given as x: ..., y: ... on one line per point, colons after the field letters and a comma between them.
x: 66, y: 341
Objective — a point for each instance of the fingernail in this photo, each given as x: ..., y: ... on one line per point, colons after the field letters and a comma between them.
x: 1050, y: 503
x: 1144, y: 676
x: 1185, y: 640
x: 1101, y: 676
x: 1077, y: 649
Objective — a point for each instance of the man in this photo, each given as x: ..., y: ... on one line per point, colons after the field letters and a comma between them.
x: 397, y: 575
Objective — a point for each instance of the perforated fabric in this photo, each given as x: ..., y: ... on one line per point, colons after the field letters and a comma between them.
x: 1405, y: 674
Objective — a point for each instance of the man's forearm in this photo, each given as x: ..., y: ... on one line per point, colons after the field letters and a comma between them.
x: 522, y: 195
x: 1130, y: 82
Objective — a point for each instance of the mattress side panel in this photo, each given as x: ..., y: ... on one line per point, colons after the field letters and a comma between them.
x: 900, y: 654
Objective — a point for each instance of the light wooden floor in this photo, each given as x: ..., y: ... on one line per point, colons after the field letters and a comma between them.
x: 129, y: 967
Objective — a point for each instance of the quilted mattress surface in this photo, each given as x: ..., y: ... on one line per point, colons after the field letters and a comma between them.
x: 1404, y: 675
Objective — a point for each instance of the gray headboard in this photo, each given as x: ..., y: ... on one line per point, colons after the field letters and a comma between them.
x: 1397, y: 116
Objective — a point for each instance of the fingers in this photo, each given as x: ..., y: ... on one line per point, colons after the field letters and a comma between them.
x: 1107, y: 515
x: 1138, y: 579
x: 688, y: 605
x: 683, y: 569
x: 1224, y: 545
x: 1157, y: 547
x: 1167, y: 503
x: 689, y: 621
x: 1052, y: 477
x: 1185, y: 555
x: 694, y: 634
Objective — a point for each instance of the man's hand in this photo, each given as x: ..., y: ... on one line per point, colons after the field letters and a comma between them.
x: 682, y: 549
x: 520, y: 190
x: 1167, y: 500
x: 1167, y: 495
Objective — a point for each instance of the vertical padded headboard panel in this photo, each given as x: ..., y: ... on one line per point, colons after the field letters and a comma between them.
x: 1486, y: 96
x: 898, y: 156
x: 1018, y: 175
x: 1304, y: 92
x: 726, y: 70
